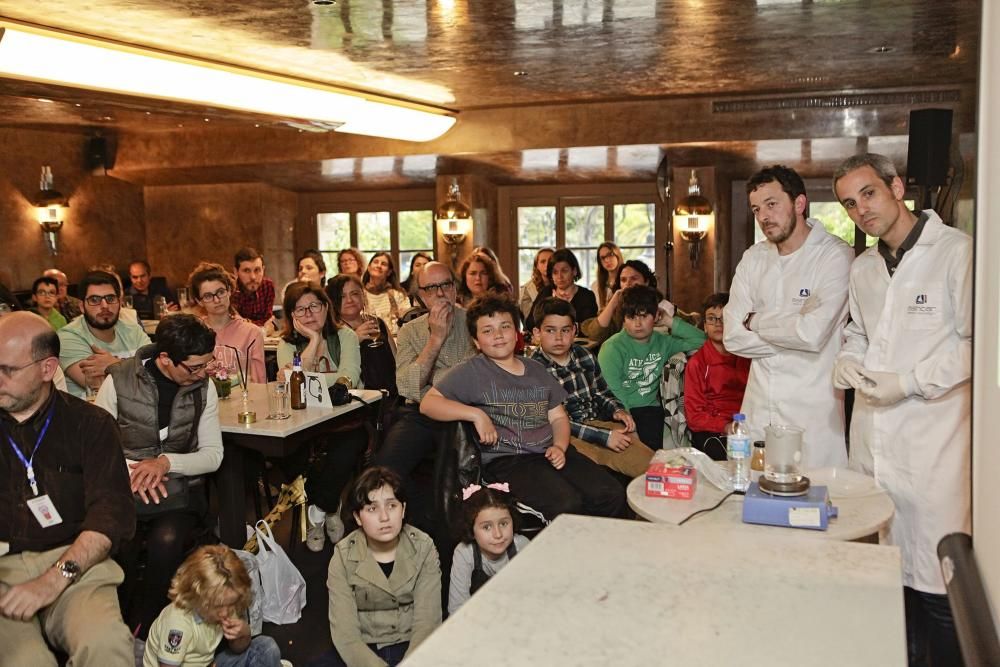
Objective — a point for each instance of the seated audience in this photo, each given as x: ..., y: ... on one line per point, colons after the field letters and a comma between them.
x: 417, y: 262
x: 212, y: 287
x: 516, y: 408
x: 209, y: 601
x: 46, y: 293
x: 384, y: 579
x: 479, y: 276
x: 254, y: 295
x: 428, y: 348
x: 92, y: 343
x: 714, y: 382
x: 489, y: 540
x: 609, y: 261
x: 323, y: 346
x: 632, y: 360
x: 58, y: 526
x: 143, y: 292
x: 385, y: 297
x: 350, y: 260
x: 539, y: 279
x: 591, y: 405
x: 378, y: 349
x: 168, y: 413
x: 69, y: 306
x: 564, y: 271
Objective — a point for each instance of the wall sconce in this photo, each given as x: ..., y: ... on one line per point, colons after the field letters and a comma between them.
x: 692, y: 217
x: 454, y: 221
x: 51, y: 205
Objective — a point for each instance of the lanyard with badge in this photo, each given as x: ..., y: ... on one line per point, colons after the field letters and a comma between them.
x: 41, y: 505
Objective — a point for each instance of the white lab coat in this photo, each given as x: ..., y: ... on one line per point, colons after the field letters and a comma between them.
x: 793, y: 352
x: 917, y: 324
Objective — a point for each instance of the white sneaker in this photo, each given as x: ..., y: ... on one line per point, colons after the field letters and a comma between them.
x: 334, y: 527
x: 286, y: 663
x: 315, y: 537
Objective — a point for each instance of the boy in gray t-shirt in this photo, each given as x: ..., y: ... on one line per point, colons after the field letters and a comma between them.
x: 516, y: 408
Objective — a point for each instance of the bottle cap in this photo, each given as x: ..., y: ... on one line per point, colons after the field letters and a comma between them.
x: 758, y: 443
x: 739, y: 416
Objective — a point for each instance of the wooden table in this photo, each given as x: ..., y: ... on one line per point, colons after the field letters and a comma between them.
x: 596, y: 592
x: 272, y: 438
x: 863, y: 508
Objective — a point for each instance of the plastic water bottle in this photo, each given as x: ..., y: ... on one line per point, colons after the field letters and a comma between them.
x: 738, y: 448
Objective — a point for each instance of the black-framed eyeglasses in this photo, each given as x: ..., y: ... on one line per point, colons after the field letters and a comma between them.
x: 443, y: 286
x: 604, y: 257
x: 197, y: 368
x: 712, y: 319
x: 95, y: 299
x: 214, y: 296
x: 42, y: 292
x: 9, y: 371
x: 313, y: 308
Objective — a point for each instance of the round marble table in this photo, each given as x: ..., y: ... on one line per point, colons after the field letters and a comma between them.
x: 862, y: 507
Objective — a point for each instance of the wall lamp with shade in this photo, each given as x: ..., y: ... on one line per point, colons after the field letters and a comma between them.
x: 454, y: 221
x: 49, y: 56
x: 693, y: 216
x: 50, y: 205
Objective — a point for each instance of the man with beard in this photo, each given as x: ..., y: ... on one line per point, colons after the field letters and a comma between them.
x: 91, y: 343
x: 787, y: 306
x: 254, y: 295
x: 66, y: 506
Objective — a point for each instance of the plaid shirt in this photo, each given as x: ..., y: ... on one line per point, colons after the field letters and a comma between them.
x: 589, y: 395
x: 255, y: 306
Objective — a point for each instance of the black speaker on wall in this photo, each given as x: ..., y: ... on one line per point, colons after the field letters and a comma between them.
x: 99, y: 154
x: 929, y: 152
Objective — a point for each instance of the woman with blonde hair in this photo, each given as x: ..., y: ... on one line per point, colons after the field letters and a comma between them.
x: 478, y: 276
x: 539, y: 280
x: 211, y: 286
x: 209, y: 601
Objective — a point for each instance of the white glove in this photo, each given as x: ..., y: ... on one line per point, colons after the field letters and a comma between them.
x: 811, y: 304
x: 889, y: 388
x: 848, y: 374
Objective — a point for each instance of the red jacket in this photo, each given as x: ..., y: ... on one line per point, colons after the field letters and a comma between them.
x: 713, y: 388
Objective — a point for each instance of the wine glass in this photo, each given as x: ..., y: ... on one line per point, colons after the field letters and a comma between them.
x: 376, y: 340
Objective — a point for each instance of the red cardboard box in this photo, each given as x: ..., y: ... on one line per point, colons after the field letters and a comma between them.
x: 664, y: 481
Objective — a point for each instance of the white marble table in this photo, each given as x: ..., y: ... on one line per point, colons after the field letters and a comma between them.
x: 863, y: 508
x: 273, y: 439
x: 603, y: 592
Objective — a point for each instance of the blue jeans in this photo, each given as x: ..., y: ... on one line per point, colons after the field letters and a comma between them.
x: 392, y: 654
x: 262, y: 652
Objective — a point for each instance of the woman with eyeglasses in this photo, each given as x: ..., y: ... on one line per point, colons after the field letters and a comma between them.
x: 211, y: 286
x: 609, y: 261
x: 311, y: 332
x: 714, y: 383
x: 328, y: 347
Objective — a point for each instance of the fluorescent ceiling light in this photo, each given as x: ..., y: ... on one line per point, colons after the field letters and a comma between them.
x: 48, y: 56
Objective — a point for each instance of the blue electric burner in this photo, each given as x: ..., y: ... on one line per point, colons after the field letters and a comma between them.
x: 811, y: 510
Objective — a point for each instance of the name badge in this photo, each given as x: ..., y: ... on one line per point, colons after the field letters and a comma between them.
x: 44, y: 511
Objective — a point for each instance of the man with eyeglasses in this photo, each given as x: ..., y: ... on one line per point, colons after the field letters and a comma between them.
x: 254, y: 295
x: 427, y: 348
x: 66, y: 505
x: 92, y: 343
x: 69, y: 306
x: 168, y: 412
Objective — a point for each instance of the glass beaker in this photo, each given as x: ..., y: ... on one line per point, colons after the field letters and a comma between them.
x: 783, y: 447
x: 277, y: 401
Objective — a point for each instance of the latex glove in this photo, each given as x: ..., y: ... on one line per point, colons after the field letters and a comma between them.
x: 811, y: 304
x: 889, y: 388
x: 848, y: 374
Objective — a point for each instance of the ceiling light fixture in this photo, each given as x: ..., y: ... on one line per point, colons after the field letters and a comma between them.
x: 49, y: 56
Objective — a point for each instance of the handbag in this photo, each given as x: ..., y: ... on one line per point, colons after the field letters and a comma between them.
x: 282, y: 583
x: 178, y: 497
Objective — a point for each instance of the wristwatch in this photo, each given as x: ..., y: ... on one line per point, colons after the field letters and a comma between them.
x: 69, y: 569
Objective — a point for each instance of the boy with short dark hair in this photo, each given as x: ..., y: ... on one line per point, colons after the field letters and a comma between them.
x: 591, y: 405
x: 516, y: 408
x: 714, y: 383
x: 632, y: 360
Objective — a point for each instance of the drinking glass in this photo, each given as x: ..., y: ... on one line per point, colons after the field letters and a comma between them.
x: 127, y: 301
x: 376, y: 340
x: 182, y: 296
x: 277, y: 401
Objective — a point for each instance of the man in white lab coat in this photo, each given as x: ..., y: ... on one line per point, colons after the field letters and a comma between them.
x: 908, y: 352
x: 787, y: 306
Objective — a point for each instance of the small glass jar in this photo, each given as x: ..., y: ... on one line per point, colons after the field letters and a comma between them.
x: 757, y: 458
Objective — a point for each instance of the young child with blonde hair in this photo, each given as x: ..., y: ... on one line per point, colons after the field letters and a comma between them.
x: 209, y: 601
